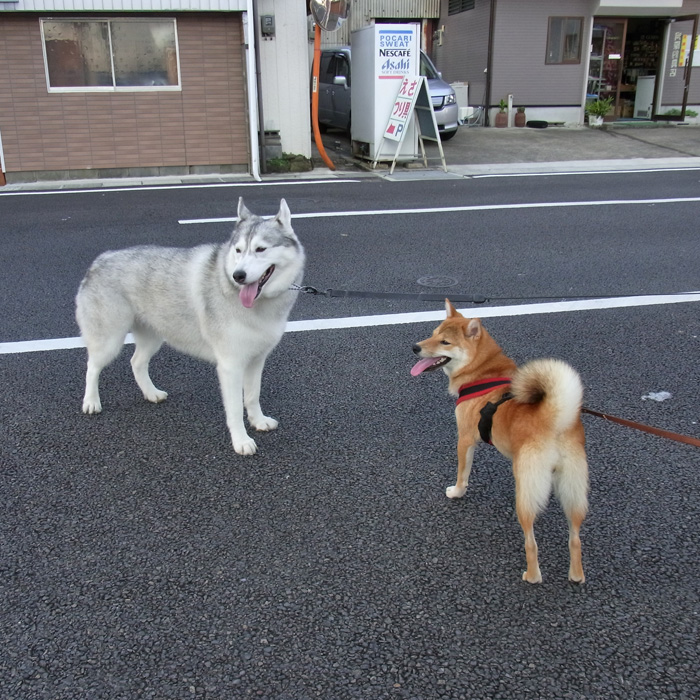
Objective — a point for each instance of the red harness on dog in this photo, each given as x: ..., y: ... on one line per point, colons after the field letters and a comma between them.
x: 483, y: 386
x: 474, y: 389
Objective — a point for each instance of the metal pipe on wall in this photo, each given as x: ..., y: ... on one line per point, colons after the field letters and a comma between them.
x: 249, y: 39
x: 489, y: 63
x: 258, y: 82
x: 2, y: 163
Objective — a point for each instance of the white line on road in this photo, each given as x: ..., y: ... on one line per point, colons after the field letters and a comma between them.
x: 321, y: 324
x: 579, y: 172
x: 470, y: 207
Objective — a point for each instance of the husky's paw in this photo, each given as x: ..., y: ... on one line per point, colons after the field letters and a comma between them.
x: 264, y: 423
x: 91, y: 406
x: 246, y: 446
x: 156, y: 396
x: 455, y: 491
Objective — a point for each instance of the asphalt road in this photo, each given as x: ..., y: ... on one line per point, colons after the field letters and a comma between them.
x: 140, y: 557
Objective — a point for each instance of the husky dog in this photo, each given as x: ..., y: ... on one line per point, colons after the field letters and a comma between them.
x: 531, y: 414
x: 224, y: 303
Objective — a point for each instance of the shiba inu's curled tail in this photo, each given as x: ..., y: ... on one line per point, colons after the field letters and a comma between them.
x: 555, y: 385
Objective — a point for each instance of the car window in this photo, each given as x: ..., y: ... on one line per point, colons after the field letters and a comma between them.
x: 427, y: 69
x: 339, y: 65
x: 325, y: 74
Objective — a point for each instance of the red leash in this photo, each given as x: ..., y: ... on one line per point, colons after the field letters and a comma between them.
x: 645, y: 428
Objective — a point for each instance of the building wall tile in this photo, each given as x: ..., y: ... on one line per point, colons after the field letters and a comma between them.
x: 199, y: 125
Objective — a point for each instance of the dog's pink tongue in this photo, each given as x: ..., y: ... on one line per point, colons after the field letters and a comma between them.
x: 422, y: 365
x: 248, y: 293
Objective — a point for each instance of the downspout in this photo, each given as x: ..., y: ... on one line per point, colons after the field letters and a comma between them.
x: 489, y: 63
x: 258, y: 84
x: 2, y: 164
x: 249, y: 38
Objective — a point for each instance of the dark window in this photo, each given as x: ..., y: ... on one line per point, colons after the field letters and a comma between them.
x: 325, y: 75
x: 339, y: 66
x: 564, y: 40
x: 111, y: 54
x: 456, y: 6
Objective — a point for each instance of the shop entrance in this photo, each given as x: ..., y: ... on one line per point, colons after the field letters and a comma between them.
x: 643, y: 63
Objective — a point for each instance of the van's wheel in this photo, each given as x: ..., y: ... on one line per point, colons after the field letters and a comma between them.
x: 447, y: 135
x: 322, y: 128
x: 349, y: 123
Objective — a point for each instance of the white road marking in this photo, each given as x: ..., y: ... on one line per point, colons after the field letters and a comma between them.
x: 207, y: 185
x: 321, y: 324
x: 579, y: 172
x: 470, y: 207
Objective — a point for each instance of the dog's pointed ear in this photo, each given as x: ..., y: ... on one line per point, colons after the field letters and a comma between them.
x: 451, y: 311
x: 243, y: 212
x: 473, y: 329
x: 284, y: 216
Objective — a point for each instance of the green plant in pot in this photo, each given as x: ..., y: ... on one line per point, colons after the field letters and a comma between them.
x: 520, y: 118
x: 502, y: 116
x: 597, y: 109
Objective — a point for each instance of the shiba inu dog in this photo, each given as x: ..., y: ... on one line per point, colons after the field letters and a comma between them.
x: 531, y: 414
x: 224, y: 303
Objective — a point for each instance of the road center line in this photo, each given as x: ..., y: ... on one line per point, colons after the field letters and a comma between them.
x: 473, y: 207
x: 321, y: 324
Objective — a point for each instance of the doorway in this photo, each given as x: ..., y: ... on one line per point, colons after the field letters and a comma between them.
x: 625, y: 60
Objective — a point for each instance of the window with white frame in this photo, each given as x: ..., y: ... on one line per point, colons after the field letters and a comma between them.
x: 83, y: 55
x: 564, y: 40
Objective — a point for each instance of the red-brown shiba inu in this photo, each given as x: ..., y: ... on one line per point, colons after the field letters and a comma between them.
x: 531, y: 414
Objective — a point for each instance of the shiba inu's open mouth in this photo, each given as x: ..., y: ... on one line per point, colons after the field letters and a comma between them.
x: 429, y: 363
x: 250, y: 292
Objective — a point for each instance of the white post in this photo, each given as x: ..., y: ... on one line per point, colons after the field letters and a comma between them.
x: 249, y: 38
x: 2, y: 157
x: 510, y: 110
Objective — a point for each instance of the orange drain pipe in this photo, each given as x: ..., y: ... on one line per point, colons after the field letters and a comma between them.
x: 314, y: 98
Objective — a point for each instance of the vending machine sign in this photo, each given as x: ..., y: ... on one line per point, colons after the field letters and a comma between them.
x: 395, y: 48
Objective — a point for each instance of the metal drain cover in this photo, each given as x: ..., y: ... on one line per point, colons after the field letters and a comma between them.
x: 437, y: 281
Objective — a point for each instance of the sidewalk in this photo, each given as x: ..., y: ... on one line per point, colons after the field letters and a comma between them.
x: 473, y: 151
x: 486, y: 150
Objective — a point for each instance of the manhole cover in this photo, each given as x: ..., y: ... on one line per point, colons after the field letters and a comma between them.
x: 437, y: 281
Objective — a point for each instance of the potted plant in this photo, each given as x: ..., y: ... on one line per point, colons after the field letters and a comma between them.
x: 520, y: 117
x: 502, y: 117
x: 597, y: 109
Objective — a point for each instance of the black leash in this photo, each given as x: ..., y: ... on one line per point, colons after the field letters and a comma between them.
x: 455, y: 298
x: 421, y: 296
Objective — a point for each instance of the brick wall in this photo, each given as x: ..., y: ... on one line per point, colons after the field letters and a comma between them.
x: 203, y: 125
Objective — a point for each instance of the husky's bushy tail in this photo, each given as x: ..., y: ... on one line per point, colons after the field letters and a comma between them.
x: 554, y: 384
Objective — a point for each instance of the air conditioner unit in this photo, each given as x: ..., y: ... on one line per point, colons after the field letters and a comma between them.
x: 462, y: 94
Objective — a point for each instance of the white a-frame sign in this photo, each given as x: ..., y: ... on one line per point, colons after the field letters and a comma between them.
x: 413, y: 100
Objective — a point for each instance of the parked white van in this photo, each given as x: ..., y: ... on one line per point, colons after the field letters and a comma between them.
x: 334, y: 92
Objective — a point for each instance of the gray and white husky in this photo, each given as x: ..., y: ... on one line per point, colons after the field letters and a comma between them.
x: 227, y: 304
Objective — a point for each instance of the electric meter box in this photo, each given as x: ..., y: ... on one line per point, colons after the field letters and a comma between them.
x: 382, y: 55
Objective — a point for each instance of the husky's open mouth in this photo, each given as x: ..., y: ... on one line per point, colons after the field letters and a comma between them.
x: 427, y: 364
x: 250, y: 292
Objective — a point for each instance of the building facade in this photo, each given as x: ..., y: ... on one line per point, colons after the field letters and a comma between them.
x: 553, y: 56
x: 89, y: 89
